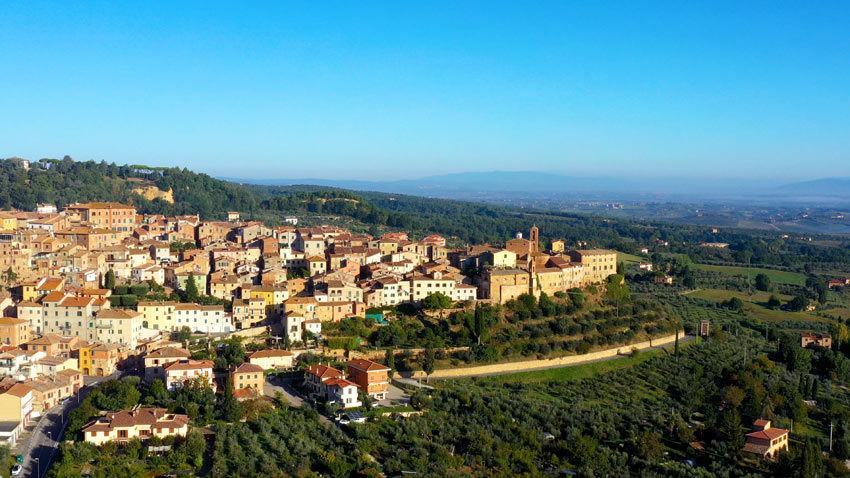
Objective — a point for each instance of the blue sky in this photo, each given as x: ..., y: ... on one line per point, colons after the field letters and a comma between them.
x: 407, y: 89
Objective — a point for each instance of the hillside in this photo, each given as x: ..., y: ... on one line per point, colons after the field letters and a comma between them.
x: 65, y: 181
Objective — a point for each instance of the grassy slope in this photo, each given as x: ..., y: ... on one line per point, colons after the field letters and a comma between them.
x: 754, y: 305
x: 629, y: 259
x: 579, y: 372
x: 782, y: 277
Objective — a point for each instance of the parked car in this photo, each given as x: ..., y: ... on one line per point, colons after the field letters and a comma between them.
x: 17, y: 469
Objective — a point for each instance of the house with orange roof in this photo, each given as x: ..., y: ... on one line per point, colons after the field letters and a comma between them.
x: 272, y: 359
x: 118, y: 326
x: 765, y: 441
x: 156, y: 361
x: 14, y: 331
x: 139, y: 423
x: 371, y: 377
x: 247, y: 380
x: 177, y: 373
x: 108, y: 215
x: 16, y: 407
x: 330, y: 384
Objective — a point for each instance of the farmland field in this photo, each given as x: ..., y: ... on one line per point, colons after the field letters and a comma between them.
x: 753, y: 304
x: 782, y: 277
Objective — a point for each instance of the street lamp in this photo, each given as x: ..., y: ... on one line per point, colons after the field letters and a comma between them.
x: 38, y: 467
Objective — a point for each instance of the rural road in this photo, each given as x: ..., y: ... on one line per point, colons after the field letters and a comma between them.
x: 683, y: 340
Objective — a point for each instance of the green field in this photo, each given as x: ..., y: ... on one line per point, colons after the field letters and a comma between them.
x: 754, y: 305
x: 629, y: 259
x: 781, y: 277
x: 579, y: 372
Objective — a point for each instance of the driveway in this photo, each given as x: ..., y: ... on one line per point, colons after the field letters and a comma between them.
x: 285, y: 387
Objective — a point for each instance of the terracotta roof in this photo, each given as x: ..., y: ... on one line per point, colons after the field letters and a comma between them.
x: 154, y: 417
x: 169, y: 352
x: 366, y: 365
x: 340, y: 382
x: 12, y: 321
x: 323, y: 372
x: 270, y: 353
x: 189, y: 365
x: 19, y: 390
x: 76, y: 301
x: 248, y: 368
x: 55, y: 296
x: 768, y: 434
x: 118, y: 314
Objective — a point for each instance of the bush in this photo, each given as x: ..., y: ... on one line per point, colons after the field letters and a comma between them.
x: 129, y: 300
x: 140, y: 289
x: 121, y: 290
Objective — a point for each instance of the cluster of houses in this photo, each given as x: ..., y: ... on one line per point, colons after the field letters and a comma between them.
x: 334, y: 386
x: 283, y: 277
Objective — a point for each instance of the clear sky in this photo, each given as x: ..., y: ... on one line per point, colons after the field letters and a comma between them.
x: 390, y: 90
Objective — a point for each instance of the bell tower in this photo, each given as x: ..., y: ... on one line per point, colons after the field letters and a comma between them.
x: 534, y: 237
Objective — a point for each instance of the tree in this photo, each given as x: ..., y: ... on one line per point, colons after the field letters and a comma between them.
x: 812, y: 460
x: 735, y: 304
x: 191, y: 289
x: 436, y: 301
x: 577, y: 298
x: 390, y: 362
x: 231, y: 409
x: 730, y: 426
x: 733, y: 396
x: 109, y: 281
x: 183, y: 335
x: 798, y: 303
x: 763, y: 282
x: 773, y: 302
x: 428, y: 362
x: 9, y: 277
x: 649, y: 445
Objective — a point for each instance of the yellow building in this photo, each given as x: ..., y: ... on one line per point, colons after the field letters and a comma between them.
x: 598, y: 264
x: 139, y: 423
x: 84, y: 363
x: 157, y: 315
x: 8, y: 222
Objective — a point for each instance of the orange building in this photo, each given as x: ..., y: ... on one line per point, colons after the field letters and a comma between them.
x: 765, y: 441
x: 247, y: 380
x: 371, y: 377
x: 14, y: 331
x: 108, y: 215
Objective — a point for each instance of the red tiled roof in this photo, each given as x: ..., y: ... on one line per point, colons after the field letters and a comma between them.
x: 768, y: 434
x: 366, y: 365
x: 248, y: 368
x: 323, y: 372
x: 270, y: 353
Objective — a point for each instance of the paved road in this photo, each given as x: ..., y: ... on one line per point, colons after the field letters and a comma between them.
x: 42, y: 445
x: 682, y: 340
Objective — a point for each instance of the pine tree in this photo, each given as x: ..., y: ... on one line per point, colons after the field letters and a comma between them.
x: 230, y: 407
x: 390, y: 362
x: 191, y: 289
x: 429, y: 362
x: 109, y: 281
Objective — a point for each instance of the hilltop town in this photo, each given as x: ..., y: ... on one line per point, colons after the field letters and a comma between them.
x: 67, y: 264
x: 96, y: 290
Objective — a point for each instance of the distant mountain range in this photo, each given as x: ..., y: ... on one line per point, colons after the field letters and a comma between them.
x: 534, y: 185
x: 829, y: 187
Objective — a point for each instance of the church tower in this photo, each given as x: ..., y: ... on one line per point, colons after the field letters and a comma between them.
x: 534, y: 237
